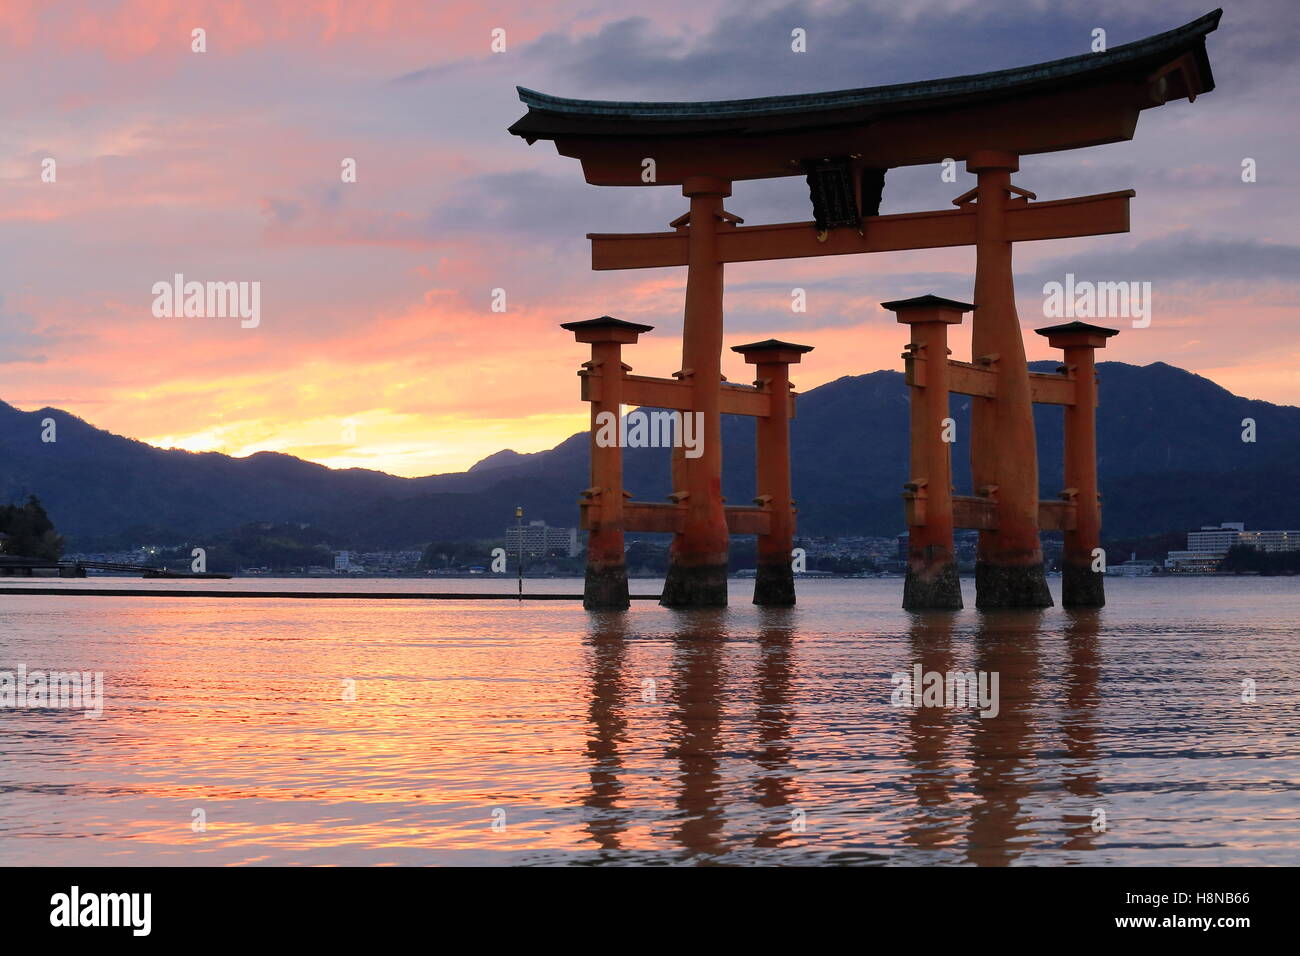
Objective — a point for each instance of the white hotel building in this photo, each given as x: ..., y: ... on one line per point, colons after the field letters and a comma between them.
x: 1206, y: 548
x: 539, y: 539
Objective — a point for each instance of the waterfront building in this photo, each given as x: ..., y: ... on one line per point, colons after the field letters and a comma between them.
x: 1207, y: 547
x: 539, y: 539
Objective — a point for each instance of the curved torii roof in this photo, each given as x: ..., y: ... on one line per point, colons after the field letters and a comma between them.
x: 1025, y: 110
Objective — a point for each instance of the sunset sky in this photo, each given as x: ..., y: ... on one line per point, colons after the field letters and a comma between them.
x: 377, y: 345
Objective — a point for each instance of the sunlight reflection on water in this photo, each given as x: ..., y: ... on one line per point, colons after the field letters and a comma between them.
x: 739, y: 736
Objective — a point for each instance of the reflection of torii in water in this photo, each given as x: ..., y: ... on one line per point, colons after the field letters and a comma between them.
x: 1002, y: 749
x: 607, y: 714
x: 843, y: 141
x: 696, y: 719
x: 929, y: 730
x: 1079, y: 724
x: 983, y: 821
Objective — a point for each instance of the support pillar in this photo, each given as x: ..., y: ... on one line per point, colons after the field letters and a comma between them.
x: 606, y: 580
x: 774, y: 579
x: 932, y: 581
x: 697, y: 568
x: 1081, y: 586
x: 1004, y: 456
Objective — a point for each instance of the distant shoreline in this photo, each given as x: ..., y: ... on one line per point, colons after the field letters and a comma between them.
x: 361, y: 595
x: 353, y: 595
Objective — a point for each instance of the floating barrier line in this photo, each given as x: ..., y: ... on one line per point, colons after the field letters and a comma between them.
x: 345, y: 595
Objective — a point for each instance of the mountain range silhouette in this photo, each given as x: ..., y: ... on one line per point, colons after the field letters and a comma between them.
x: 1170, y: 449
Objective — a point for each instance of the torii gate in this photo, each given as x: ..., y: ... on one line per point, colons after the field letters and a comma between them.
x: 844, y: 142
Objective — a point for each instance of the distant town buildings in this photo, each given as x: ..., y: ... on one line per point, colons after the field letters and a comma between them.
x: 539, y: 539
x: 1207, y: 547
x: 1132, y: 568
x: 965, y: 543
x: 386, y: 562
x: 376, y: 562
x: 880, y: 551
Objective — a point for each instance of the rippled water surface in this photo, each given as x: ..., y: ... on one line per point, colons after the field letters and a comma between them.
x: 500, y: 732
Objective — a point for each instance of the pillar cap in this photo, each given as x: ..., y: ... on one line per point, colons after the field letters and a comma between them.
x: 1073, y: 334
x: 606, y: 328
x: 772, y: 351
x: 706, y: 186
x: 928, y: 308
x: 980, y: 159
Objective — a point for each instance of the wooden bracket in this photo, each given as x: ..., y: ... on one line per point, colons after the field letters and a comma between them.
x: 1185, y: 65
x: 969, y: 197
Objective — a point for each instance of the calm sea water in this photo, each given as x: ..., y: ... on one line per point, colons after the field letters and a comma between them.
x: 534, y: 733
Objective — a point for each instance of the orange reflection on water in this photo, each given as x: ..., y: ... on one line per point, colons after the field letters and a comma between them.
x: 485, y: 732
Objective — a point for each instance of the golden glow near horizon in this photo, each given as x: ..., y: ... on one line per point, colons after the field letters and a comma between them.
x: 438, y: 419
x: 396, y: 444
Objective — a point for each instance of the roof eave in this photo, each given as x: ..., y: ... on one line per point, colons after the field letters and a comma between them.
x: 552, y: 117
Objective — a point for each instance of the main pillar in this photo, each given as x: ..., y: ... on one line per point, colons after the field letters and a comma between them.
x: 606, y: 582
x: 774, y: 580
x: 1081, y: 586
x: 932, y: 581
x: 1004, y: 457
x: 697, y: 568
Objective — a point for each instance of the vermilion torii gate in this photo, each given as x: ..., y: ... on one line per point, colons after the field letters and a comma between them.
x: 693, y: 507
x: 844, y: 142
x: 933, y: 511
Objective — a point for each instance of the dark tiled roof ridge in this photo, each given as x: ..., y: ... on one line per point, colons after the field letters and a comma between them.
x: 894, y: 93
